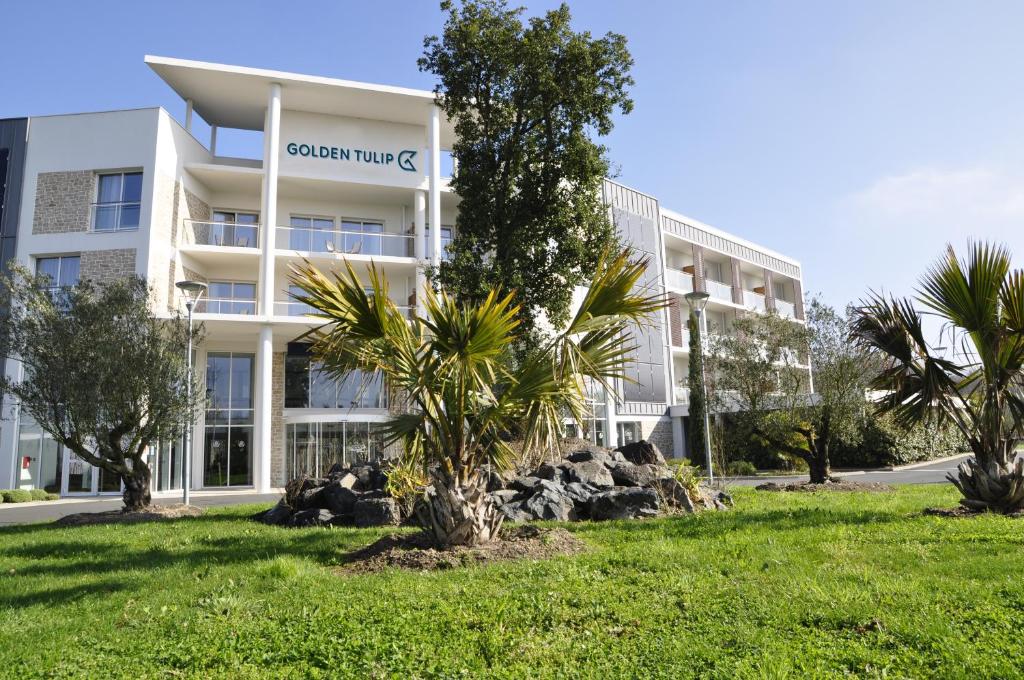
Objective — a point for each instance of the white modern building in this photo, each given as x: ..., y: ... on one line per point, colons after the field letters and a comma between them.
x: 349, y: 172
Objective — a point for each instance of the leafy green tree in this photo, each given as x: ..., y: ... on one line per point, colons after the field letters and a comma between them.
x: 525, y: 100
x: 100, y: 374
x: 762, y: 370
x: 453, y: 367
x: 980, y: 301
x: 698, y: 406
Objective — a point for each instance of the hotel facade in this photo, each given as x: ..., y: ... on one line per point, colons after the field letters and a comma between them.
x: 349, y: 172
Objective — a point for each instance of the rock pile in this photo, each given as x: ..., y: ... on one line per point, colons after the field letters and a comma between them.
x: 594, y: 483
x: 352, y: 496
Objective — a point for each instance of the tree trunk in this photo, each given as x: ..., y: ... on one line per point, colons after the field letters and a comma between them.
x: 993, y: 486
x: 820, y: 469
x: 459, y: 514
x: 136, y: 487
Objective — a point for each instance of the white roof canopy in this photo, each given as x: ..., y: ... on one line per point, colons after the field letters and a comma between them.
x: 236, y: 96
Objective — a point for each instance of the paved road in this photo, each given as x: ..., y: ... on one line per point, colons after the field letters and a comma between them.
x: 45, y: 512
x: 928, y: 474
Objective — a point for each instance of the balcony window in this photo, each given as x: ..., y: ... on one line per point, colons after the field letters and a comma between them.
x: 447, y: 234
x: 312, y: 234
x: 118, y: 202
x: 307, y: 385
x: 61, y: 273
x: 229, y: 297
x: 236, y: 229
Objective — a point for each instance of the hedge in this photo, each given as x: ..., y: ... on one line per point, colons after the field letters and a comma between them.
x: 884, y: 443
x: 16, y: 496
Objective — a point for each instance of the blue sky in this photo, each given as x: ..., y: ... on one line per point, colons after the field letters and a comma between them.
x: 858, y: 137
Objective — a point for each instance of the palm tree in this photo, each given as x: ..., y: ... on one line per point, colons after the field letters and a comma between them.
x: 454, y: 369
x: 981, y: 303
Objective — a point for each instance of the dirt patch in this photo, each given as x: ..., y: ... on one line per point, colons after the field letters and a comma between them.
x: 415, y: 552
x: 833, y: 485
x: 153, y: 513
x: 963, y: 511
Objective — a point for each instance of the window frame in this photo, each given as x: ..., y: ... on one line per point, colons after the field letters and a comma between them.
x: 119, y: 205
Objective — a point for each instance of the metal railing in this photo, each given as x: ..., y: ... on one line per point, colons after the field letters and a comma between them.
x: 224, y: 234
x: 345, y: 242
x: 225, y: 306
x: 719, y: 290
x: 115, y: 216
x: 786, y: 310
x: 294, y: 308
x: 679, y: 280
x: 755, y: 300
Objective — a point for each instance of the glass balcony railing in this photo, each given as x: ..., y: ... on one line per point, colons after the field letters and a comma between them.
x: 719, y: 290
x: 679, y: 280
x: 224, y: 234
x: 682, y: 395
x: 345, y: 242
x: 225, y: 306
x: 754, y: 300
x: 108, y: 217
x: 294, y: 308
x: 786, y: 310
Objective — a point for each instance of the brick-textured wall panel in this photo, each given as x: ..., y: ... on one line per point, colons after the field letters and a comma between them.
x: 798, y: 299
x: 675, y: 320
x: 104, y: 266
x: 62, y: 202
x: 195, y: 209
x: 737, y: 281
x: 699, y: 279
x: 659, y: 433
x: 277, y: 433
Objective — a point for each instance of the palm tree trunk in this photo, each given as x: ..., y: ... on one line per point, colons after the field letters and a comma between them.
x: 459, y: 514
x: 992, y: 486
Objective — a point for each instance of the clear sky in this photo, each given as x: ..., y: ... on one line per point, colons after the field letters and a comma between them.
x: 856, y: 136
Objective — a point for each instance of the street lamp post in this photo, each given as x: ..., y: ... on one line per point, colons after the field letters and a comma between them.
x: 192, y: 291
x: 697, y: 301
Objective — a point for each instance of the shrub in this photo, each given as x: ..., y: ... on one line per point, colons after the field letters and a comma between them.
x: 16, y: 496
x: 53, y: 496
x: 39, y: 494
x: 741, y: 468
x: 884, y: 443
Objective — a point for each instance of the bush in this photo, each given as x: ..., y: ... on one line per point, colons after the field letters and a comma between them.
x: 741, y: 468
x: 39, y: 494
x: 53, y: 496
x: 884, y: 443
x: 16, y: 496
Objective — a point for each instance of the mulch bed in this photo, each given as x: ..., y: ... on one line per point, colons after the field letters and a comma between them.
x: 834, y: 485
x: 153, y: 513
x: 415, y: 552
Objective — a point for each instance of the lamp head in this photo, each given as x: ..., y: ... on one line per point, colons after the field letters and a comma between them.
x: 192, y: 290
x: 697, y: 300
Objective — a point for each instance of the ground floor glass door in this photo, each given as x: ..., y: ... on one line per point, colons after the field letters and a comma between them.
x: 228, y: 435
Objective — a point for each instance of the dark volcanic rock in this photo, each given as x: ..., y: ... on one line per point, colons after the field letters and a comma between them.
x: 674, y: 493
x: 515, y: 511
x: 313, y: 517
x: 279, y: 514
x: 624, y: 503
x: 339, y: 499
x: 628, y: 474
x: 375, y: 512
x: 555, y: 473
x: 502, y: 496
x: 642, y: 452
x: 311, y: 497
x: 524, y: 483
x: 550, y: 504
x: 591, y: 472
x: 592, y: 453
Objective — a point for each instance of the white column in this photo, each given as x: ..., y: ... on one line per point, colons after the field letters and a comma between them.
x: 434, y: 159
x: 265, y: 351
x: 268, y: 218
x: 264, y: 417
x: 420, y: 231
x: 213, y: 140
x: 611, y: 435
x: 188, y: 115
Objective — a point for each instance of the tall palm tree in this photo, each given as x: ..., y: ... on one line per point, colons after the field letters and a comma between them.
x: 981, y: 302
x: 453, y: 367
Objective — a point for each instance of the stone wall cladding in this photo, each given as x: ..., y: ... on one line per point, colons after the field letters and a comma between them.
x: 63, y: 202
x: 659, y: 433
x: 105, y: 266
x: 195, y: 209
x: 277, y: 433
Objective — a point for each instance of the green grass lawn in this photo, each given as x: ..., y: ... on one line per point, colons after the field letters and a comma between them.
x: 787, y: 585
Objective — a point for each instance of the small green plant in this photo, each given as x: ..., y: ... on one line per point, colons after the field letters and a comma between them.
x: 406, y: 482
x: 689, y: 479
x: 16, y: 496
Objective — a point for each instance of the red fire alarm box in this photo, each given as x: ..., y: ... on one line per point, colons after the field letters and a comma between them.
x: 26, y: 462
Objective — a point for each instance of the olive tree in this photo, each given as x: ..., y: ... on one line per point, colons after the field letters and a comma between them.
x: 100, y: 373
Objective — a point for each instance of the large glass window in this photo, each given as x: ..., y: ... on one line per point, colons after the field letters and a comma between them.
x: 118, y: 201
x: 231, y: 228
x: 307, y: 385
x: 447, y: 234
x: 229, y: 297
x: 39, y: 458
x: 229, y: 420
x: 61, y: 272
x: 312, y: 448
x: 364, y: 238
x: 312, y: 234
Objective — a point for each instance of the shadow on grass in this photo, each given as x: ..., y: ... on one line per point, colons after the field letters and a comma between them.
x: 61, y: 596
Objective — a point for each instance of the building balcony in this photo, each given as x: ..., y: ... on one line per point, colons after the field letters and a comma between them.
x: 786, y: 310
x: 292, y: 308
x: 221, y: 234
x: 754, y: 301
x: 373, y: 244
x: 225, y: 306
x: 679, y: 280
x: 682, y: 395
x: 719, y: 291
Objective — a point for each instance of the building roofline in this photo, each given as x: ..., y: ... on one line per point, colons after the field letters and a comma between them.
x: 679, y: 217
